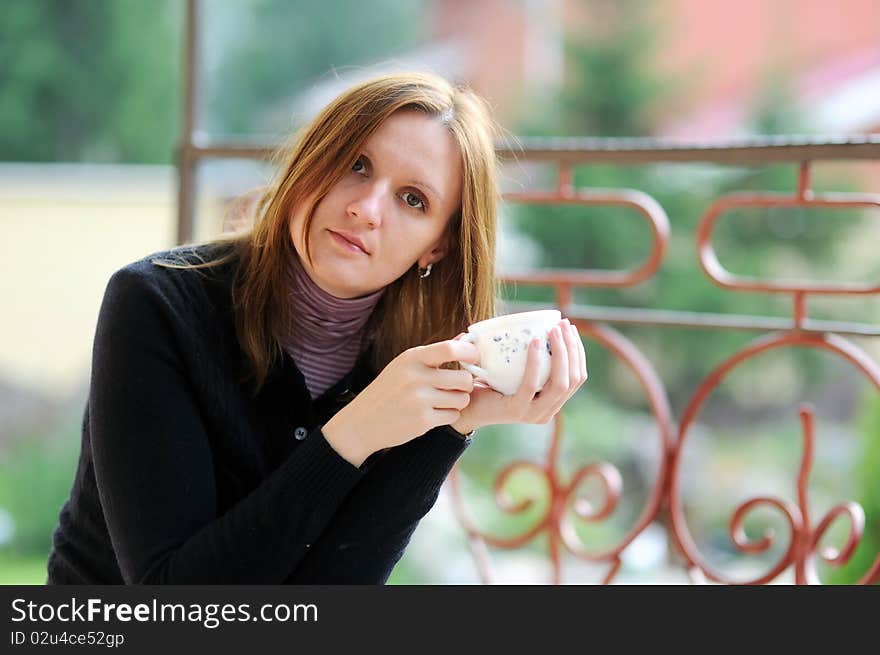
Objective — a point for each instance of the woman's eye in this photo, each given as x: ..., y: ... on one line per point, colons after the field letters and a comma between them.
x: 360, y: 165
x: 413, y: 200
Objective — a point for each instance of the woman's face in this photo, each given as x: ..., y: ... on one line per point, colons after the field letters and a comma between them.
x: 395, y: 201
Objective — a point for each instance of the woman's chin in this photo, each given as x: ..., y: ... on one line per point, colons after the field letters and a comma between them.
x: 342, y: 280
x: 341, y: 286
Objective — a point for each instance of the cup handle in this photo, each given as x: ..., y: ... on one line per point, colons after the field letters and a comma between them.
x: 474, y: 370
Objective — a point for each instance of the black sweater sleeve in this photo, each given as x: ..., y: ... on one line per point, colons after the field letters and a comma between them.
x: 373, y: 526
x: 153, y: 462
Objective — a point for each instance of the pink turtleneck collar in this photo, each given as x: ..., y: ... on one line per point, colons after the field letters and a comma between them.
x: 328, y: 333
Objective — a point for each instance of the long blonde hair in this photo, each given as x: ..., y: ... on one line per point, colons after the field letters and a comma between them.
x: 461, y: 289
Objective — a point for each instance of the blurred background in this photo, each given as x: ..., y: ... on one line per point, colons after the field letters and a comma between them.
x: 91, y: 98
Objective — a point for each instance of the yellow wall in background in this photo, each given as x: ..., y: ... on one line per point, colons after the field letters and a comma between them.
x: 65, y: 229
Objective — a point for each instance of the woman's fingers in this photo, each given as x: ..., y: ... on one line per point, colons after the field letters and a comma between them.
x: 451, y: 350
x: 527, y: 405
x: 571, y: 337
x: 558, y: 381
x: 576, y: 357
x: 530, y: 381
x: 457, y: 400
x: 556, y: 390
x: 445, y: 416
x: 582, y: 354
x: 450, y: 380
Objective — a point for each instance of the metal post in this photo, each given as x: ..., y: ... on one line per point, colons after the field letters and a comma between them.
x: 187, y: 156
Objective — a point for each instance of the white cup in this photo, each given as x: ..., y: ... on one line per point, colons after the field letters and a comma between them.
x: 503, y: 342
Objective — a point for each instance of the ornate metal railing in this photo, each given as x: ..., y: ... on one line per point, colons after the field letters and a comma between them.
x: 562, y: 506
x: 665, y: 502
x: 800, y: 331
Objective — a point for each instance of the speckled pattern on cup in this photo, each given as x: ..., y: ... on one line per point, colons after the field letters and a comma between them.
x: 503, y: 343
x: 512, y: 341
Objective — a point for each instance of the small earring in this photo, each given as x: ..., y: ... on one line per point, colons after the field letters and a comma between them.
x: 427, y: 271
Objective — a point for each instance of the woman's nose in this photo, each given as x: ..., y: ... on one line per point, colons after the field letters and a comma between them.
x: 367, y: 206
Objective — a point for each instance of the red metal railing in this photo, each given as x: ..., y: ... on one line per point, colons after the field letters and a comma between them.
x: 594, y: 323
x: 801, y: 332
x: 665, y: 500
x: 556, y: 522
x: 804, y: 538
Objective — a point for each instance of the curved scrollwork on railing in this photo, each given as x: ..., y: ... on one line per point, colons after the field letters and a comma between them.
x: 565, y: 509
x: 804, y: 197
x: 804, y: 539
x: 565, y: 194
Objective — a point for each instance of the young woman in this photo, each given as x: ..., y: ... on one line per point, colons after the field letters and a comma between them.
x: 281, y: 405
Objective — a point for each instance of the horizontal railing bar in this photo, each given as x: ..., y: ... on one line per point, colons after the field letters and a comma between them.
x: 698, y: 320
x: 587, y: 150
x: 748, y: 150
x: 230, y: 151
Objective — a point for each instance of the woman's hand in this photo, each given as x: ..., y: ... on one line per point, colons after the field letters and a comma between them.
x: 568, y: 371
x: 409, y: 397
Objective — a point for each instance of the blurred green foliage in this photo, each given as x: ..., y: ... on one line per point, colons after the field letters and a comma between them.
x: 22, y: 569
x: 272, y: 50
x: 610, y: 90
x: 100, y: 80
x: 867, y: 495
x: 89, y: 80
x: 36, y: 474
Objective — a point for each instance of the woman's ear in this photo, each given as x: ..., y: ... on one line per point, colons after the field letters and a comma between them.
x: 437, y: 251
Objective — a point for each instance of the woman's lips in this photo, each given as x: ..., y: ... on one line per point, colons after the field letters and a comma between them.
x: 345, y: 243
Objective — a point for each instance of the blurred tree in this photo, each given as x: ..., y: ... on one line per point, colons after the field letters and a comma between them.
x: 89, y: 80
x: 268, y: 51
x: 609, y: 89
x: 611, y: 86
x: 612, y: 89
x: 867, y: 494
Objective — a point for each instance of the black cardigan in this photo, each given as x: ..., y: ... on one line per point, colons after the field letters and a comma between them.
x: 186, y: 477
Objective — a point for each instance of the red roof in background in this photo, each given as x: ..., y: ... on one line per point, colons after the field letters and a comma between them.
x: 729, y: 51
